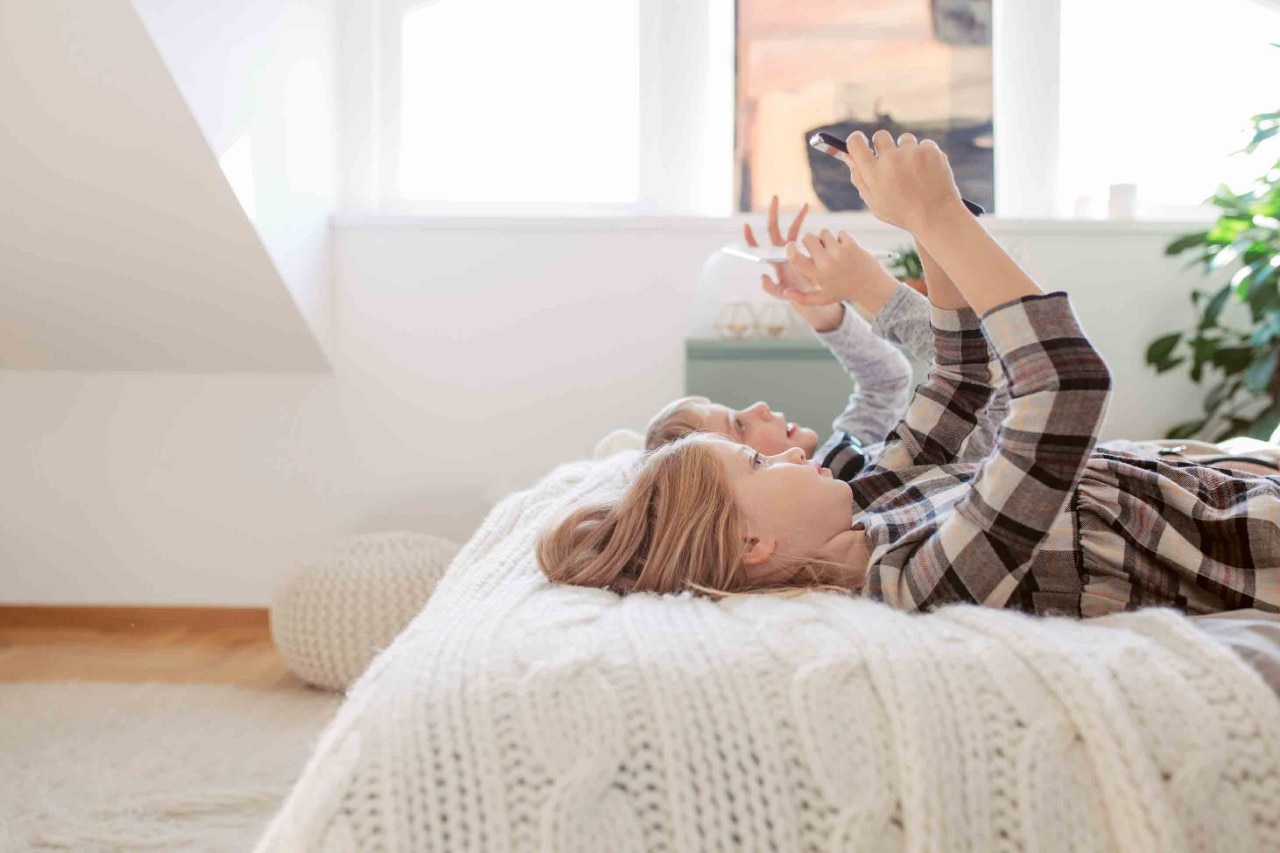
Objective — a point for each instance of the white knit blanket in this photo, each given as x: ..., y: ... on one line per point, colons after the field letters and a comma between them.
x: 511, y: 715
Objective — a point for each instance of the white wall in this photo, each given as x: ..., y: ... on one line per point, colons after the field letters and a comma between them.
x: 470, y: 359
x: 121, y: 244
x: 257, y: 75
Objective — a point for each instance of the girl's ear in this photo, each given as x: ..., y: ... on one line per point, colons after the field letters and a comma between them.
x: 759, y: 550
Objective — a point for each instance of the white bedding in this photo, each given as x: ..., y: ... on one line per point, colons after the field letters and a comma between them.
x: 511, y: 715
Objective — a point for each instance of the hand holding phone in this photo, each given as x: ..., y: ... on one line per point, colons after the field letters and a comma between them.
x: 829, y: 143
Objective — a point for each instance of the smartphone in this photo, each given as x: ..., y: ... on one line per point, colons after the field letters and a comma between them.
x: 778, y: 254
x: 822, y: 140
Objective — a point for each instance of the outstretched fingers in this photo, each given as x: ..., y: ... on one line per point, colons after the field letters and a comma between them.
x: 774, y: 233
x: 794, y: 230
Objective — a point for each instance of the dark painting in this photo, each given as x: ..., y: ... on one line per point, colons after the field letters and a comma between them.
x: 918, y: 66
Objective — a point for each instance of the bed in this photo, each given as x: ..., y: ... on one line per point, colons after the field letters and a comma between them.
x: 512, y: 715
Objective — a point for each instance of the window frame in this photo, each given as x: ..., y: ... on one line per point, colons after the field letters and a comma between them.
x: 372, y: 53
x: 688, y: 81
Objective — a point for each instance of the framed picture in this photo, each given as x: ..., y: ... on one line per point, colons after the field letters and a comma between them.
x: 918, y: 66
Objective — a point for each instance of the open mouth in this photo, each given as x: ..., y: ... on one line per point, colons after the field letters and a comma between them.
x: 790, y: 429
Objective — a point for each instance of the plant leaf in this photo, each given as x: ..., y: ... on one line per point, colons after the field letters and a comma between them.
x: 1232, y: 359
x: 1187, y: 429
x: 1265, y: 423
x: 1257, y: 376
x: 1186, y: 241
x: 1228, y: 229
x: 1214, y: 308
x: 1161, y: 348
x: 1267, y: 330
x: 1220, y: 393
x: 1259, y: 137
x: 1262, y: 296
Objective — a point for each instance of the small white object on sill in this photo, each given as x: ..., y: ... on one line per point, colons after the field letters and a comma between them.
x: 1123, y: 202
x: 1084, y: 208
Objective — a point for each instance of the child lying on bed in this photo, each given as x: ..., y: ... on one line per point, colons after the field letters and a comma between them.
x: 871, y: 354
x: 880, y: 373
x: 1044, y: 523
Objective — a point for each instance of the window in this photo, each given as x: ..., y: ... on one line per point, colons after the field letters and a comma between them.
x: 1159, y: 94
x: 513, y: 101
x: 460, y: 107
x: 898, y: 65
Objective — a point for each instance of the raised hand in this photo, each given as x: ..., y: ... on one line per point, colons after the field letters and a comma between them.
x: 820, y: 317
x: 903, y: 183
x: 842, y: 270
x: 786, y: 276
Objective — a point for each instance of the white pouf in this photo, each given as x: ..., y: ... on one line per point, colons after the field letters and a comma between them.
x: 334, y: 613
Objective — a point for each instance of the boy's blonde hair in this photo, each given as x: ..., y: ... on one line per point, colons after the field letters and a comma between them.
x: 676, y: 527
x: 674, y: 421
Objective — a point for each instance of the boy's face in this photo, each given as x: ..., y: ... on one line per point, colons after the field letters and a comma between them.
x: 759, y: 427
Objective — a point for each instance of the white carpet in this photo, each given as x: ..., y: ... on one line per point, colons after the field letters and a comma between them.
x: 95, y: 766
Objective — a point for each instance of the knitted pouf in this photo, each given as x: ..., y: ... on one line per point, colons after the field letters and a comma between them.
x: 333, y: 614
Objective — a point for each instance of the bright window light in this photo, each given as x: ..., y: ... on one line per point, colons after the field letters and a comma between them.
x: 514, y: 101
x: 1159, y: 94
x: 237, y: 166
x: 307, y: 136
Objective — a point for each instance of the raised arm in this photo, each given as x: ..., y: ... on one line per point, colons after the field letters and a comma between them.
x: 964, y: 373
x: 881, y: 375
x: 983, y: 438
x: 1058, y: 394
x: 1058, y: 391
x: 944, y: 411
x: 909, y: 184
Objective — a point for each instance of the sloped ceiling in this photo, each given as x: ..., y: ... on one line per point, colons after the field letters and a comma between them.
x: 122, y: 245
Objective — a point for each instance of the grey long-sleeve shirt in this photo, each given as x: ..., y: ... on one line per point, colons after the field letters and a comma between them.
x: 882, y: 378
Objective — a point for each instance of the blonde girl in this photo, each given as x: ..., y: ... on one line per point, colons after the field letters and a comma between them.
x: 1045, y: 523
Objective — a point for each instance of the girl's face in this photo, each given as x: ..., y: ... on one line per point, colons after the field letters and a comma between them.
x: 792, y: 506
x: 759, y: 427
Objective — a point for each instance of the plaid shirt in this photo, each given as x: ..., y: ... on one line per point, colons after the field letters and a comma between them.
x: 872, y: 356
x: 1045, y: 524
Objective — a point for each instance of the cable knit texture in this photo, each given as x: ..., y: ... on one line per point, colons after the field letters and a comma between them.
x: 512, y: 715
x: 344, y: 605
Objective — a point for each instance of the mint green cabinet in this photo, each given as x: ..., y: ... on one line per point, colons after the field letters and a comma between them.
x: 798, y: 377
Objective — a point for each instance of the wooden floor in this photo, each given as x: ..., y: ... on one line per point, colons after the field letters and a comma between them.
x: 190, y: 645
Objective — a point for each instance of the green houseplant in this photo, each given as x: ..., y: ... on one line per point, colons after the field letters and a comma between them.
x: 1246, y: 398
x: 908, y: 269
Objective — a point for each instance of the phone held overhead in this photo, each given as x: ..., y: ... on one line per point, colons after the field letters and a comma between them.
x: 824, y: 141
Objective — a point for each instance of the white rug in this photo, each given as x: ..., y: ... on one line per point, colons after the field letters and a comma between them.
x: 95, y: 766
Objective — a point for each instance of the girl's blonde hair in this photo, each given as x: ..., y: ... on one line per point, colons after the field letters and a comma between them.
x: 674, y: 421
x: 675, y: 527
